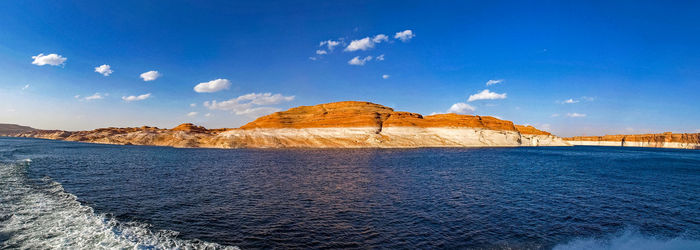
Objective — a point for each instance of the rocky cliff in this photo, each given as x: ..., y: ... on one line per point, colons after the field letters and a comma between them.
x: 663, y: 140
x: 331, y: 125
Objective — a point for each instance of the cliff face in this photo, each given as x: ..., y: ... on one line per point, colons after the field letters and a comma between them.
x: 336, y: 125
x: 664, y: 140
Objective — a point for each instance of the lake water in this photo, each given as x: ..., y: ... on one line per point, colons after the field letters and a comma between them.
x: 77, y: 195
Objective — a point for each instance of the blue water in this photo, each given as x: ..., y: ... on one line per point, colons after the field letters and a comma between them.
x: 77, y: 195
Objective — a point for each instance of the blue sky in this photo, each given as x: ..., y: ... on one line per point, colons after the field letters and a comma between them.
x: 583, y: 68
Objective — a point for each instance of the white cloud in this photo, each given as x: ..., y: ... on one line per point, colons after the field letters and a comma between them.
x: 250, y: 103
x: 321, y: 52
x: 380, y: 38
x: 571, y: 101
x: 76, y: 96
x: 104, y: 69
x: 50, y: 59
x: 362, y: 44
x: 150, y: 75
x: 193, y: 105
x: 207, y: 114
x: 380, y: 57
x: 492, y: 82
x: 96, y: 96
x: 574, y: 115
x: 486, y: 95
x: 25, y: 87
x: 191, y: 114
x: 136, y: 98
x: 265, y: 98
x: 405, y: 35
x: 212, y: 86
x: 385, y: 76
x: 461, y: 108
x: 330, y: 44
x: 359, y: 61
x: 313, y: 58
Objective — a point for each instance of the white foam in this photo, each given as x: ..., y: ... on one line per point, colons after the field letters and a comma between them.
x: 43, y: 215
x: 632, y: 240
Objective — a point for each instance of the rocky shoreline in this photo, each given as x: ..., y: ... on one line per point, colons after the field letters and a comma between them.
x: 662, y: 140
x: 332, y: 125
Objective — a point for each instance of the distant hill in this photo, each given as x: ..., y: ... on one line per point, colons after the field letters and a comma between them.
x: 6, y: 129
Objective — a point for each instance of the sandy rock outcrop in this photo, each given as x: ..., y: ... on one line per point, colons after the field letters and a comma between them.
x: 333, y: 125
x: 663, y: 140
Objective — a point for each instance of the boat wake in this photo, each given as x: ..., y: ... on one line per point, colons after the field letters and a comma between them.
x: 40, y: 214
x: 630, y: 239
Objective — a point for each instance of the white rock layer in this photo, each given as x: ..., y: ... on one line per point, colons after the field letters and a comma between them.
x: 391, y: 137
x: 637, y: 144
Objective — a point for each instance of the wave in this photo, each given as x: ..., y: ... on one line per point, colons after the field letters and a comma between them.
x: 40, y: 214
x: 630, y: 239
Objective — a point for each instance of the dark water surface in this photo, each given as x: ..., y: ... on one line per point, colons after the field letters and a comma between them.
x: 80, y: 195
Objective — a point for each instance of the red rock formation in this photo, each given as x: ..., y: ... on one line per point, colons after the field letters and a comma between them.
x: 337, y: 115
x: 189, y: 127
x: 366, y: 114
x: 654, y: 138
x: 530, y: 130
x: 340, y: 124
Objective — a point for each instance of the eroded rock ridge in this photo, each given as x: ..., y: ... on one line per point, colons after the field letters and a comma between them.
x: 348, y: 124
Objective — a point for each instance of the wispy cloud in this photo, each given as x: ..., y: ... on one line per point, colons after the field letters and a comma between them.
x: 96, y: 96
x: 25, y: 87
x: 136, y: 98
x: 357, y: 61
x: 104, y: 69
x: 461, y: 108
x: 385, y: 76
x: 577, y: 100
x: 555, y: 115
x: 252, y: 103
x: 193, y: 105
x: 405, y: 35
x: 212, y: 86
x: 486, y: 95
x: 380, y: 38
x: 50, y: 59
x: 150, y: 75
x: 321, y: 52
x: 330, y: 44
x: 380, y: 57
x: 191, y: 114
x: 575, y: 115
x: 492, y: 82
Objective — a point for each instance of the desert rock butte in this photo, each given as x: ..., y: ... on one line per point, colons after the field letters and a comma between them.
x: 349, y: 124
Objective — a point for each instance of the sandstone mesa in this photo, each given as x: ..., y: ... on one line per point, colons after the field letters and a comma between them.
x: 349, y: 124
x: 663, y: 140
